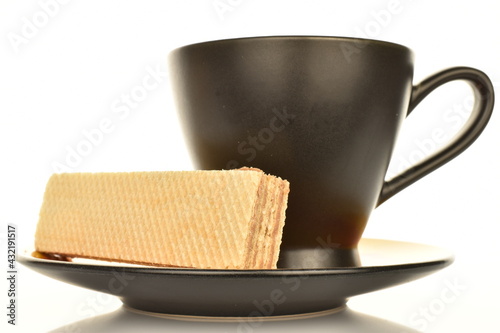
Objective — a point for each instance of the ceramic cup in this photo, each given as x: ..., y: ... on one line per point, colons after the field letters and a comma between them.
x: 321, y: 112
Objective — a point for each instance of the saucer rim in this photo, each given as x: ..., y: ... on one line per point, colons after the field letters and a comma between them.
x: 446, y: 258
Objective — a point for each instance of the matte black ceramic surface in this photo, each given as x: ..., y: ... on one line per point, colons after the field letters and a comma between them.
x: 250, y: 292
x: 321, y: 112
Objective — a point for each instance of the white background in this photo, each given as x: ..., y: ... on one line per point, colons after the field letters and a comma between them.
x: 61, y: 73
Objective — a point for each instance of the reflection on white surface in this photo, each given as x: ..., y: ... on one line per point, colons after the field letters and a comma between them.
x: 343, y: 321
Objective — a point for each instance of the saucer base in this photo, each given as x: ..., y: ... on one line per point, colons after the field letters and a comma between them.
x: 227, y: 319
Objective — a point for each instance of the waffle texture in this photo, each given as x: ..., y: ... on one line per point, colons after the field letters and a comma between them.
x: 203, y: 219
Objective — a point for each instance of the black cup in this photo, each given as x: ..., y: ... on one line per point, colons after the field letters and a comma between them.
x: 321, y: 112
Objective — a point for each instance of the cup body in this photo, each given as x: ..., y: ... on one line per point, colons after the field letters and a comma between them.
x: 321, y: 112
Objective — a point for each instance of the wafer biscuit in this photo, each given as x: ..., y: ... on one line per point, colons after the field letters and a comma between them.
x: 202, y: 219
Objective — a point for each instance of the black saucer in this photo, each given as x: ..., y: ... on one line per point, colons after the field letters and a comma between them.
x: 243, y: 293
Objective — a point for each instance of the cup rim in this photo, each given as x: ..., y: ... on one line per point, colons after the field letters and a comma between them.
x: 291, y: 37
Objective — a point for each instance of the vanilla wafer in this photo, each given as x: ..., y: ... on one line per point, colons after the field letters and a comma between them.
x: 202, y: 219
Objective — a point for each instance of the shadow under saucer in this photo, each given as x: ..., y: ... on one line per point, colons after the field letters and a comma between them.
x: 343, y: 320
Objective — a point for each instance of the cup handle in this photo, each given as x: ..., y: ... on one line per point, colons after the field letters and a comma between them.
x: 481, y: 112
